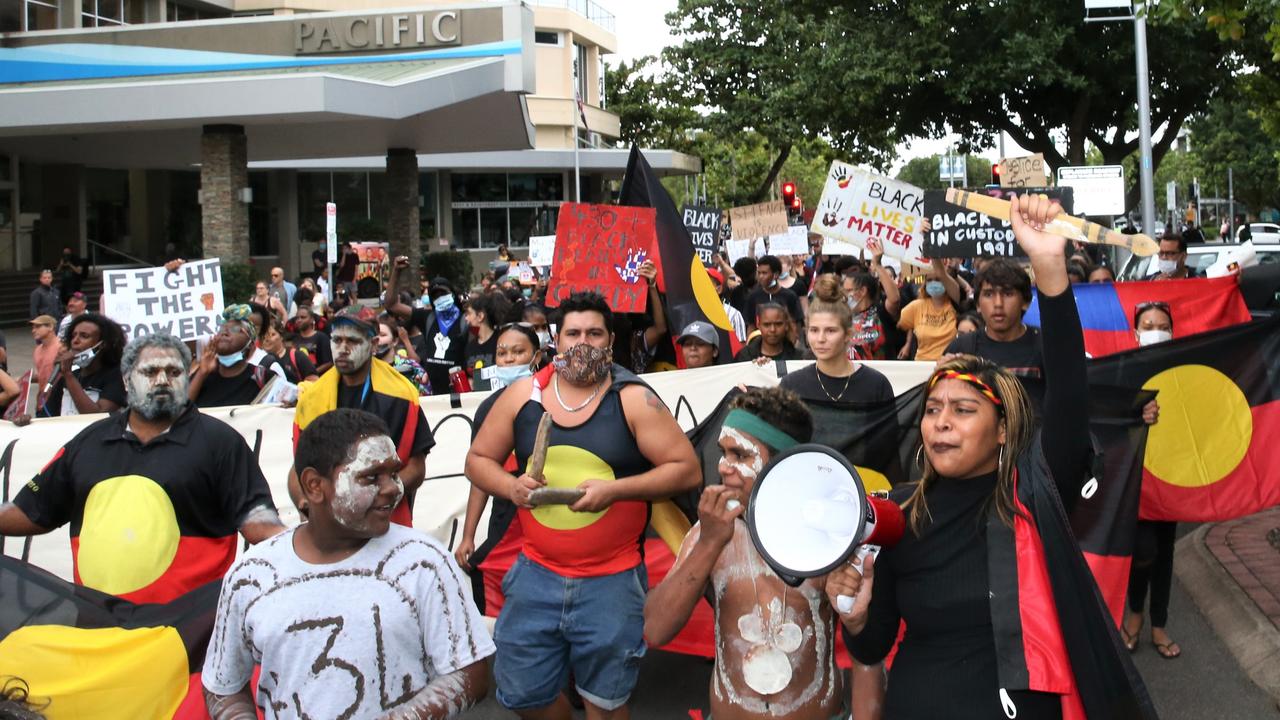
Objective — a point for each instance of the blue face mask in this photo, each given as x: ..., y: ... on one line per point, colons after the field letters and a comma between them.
x: 935, y: 288
x: 504, y: 376
x: 442, y: 303
x: 230, y: 360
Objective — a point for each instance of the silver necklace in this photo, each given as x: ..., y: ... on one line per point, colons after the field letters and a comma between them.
x: 824, y: 387
x: 555, y: 385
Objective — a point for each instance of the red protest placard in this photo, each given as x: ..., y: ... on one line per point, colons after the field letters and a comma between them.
x: 600, y: 248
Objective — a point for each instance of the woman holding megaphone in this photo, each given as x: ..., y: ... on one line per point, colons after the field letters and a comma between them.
x: 1002, y: 617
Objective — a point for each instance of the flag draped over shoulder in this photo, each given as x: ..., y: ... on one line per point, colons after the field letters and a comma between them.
x: 1208, y: 458
x: 90, y: 655
x: 1106, y: 309
x: 681, y: 275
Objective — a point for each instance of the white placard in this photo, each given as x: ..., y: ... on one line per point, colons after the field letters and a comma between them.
x: 1098, y: 189
x: 737, y: 249
x: 857, y: 206
x: 331, y: 232
x: 795, y: 241
x: 542, y: 248
x: 185, y: 303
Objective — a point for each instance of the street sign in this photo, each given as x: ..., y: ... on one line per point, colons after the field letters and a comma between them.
x: 1171, y: 196
x: 331, y: 232
x: 1099, y: 189
x: 951, y: 167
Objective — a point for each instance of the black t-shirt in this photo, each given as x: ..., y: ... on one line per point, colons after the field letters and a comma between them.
x: 480, y: 355
x: 753, y: 351
x: 442, y: 351
x: 866, y: 385
x: 319, y: 259
x: 317, y: 346
x: 102, y: 383
x: 783, y: 297
x: 1023, y: 357
x: 219, y: 391
x: 297, y: 365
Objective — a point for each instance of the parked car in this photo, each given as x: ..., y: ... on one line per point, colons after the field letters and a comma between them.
x: 1266, y: 233
x: 1199, y: 257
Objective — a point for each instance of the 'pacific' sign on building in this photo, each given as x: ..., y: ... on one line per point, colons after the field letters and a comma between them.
x: 377, y: 32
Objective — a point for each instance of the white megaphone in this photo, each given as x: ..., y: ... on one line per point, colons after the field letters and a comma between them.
x: 809, y: 513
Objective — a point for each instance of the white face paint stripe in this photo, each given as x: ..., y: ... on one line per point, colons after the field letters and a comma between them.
x: 351, y: 501
x: 750, y: 469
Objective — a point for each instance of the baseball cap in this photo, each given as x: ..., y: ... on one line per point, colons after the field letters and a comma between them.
x: 716, y: 275
x: 360, y: 316
x: 78, y: 295
x: 44, y: 320
x: 702, y: 331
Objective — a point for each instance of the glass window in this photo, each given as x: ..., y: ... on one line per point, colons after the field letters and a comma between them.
x: 546, y: 37
x: 100, y: 13
x: 580, y: 70
x: 479, y: 187
x: 493, y: 227
x: 42, y: 15
x: 263, y: 239
x: 11, y: 17
x: 428, y: 223
x: 135, y: 11
x: 466, y: 228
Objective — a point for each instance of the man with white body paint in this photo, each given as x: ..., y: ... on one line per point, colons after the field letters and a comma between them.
x: 154, y: 494
x: 775, y: 645
x: 348, y: 615
x: 360, y: 381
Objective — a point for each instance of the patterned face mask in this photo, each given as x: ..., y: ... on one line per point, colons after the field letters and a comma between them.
x: 584, y: 364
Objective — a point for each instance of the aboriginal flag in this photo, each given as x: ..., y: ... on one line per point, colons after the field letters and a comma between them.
x: 681, y: 275
x: 1209, y: 457
x: 89, y: 655
x: 1106, y: 309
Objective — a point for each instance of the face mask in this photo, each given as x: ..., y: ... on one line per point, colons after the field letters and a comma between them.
x: 1151, y: 337
x: 382, y: 350
x: 584, y: 364
x: 785, y: 274
x: 544, y: 338
x: 935, y: 288
x: 442, y: 303
x: 84, y: 357
x: 475, y: 331
x: 230, y: 360
x: 504, y: 376
x: 1166, y: 267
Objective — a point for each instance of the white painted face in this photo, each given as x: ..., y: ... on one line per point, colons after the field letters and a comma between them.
x: 367, y: 488
x: 351, y: 348
x: 157, y: 384
x: 742, y: 459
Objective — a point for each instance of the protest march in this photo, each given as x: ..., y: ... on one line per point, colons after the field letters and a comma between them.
x: 456, y: 362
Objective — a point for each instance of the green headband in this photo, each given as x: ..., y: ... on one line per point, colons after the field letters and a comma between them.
x: 740, y: 419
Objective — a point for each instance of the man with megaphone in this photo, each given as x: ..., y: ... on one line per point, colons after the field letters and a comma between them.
x: 776, y: 632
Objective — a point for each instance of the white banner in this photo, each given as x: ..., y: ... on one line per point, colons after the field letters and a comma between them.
x: 441, y: 503
x: 857, y: 206
x: 542, y: 248
x: 185, y: 303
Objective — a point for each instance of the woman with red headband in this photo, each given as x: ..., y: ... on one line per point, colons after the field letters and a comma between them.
x: 1002, y: 617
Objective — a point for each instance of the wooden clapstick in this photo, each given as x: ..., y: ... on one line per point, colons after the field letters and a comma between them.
x: 537, y: 466
x: 1065, y: 225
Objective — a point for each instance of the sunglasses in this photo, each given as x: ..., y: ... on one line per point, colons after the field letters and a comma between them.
x: 1156, y: 304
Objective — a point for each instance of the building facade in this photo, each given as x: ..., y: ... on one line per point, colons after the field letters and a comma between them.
x: 134, y: 130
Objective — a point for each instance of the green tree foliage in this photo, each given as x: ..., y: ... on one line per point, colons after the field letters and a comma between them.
x: 1232, y: 136
x: 923, y: 172
x: 734, y: 166
x: 649, y: 105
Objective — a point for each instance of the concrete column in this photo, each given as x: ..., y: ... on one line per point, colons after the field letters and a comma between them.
x: 402, y: 203
x: 295, y: 258
x: 224, y: 172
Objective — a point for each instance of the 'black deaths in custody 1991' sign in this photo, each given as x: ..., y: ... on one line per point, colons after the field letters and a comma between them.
x: 957, y: 232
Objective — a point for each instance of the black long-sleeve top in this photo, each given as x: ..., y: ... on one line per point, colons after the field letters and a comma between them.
x: 938, y: 582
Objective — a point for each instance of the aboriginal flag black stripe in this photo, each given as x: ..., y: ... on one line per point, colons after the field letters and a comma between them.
x: 81, y: 650
x: 1208, y: 457
x: 681, y: 276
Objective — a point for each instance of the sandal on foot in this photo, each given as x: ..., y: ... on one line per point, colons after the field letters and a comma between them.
x: 1169, y: 650
x: 1130, y: 641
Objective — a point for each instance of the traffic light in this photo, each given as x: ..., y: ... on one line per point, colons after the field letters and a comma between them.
x: 995, y: 174
x: 788, y: 194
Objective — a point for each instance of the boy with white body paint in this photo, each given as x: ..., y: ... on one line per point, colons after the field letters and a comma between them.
x: 347, y: 614
x: 775, y: 645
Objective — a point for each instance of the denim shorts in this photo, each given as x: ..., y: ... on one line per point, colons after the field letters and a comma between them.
x: 551, y: 624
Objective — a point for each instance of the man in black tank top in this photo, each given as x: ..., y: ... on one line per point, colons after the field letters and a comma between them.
x: 574, y: 600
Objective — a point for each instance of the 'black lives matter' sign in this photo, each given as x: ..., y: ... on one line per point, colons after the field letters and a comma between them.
x: 703, y: 224
x: 957, y: 232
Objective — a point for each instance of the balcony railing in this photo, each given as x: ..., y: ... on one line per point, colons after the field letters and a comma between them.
x: 586, y: 8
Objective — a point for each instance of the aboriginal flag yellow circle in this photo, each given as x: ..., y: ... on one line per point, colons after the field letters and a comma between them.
x: 569, y: 467
x: 129, y: 535
x: 1204, y: 429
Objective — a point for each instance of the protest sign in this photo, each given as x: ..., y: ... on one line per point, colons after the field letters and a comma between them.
x: 737, y: 249
x: 795, y: 241
x: 760, y: 220
x: 857, y: 206
x: 542, y: 250
x: 186, y: 303
x: 601, y: 248
x: 957, y: 232
x: 1022, y: 172
x: 703, y: 224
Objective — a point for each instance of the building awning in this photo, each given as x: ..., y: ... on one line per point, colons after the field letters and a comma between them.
x: 143, y: 106
x: 594, y: 160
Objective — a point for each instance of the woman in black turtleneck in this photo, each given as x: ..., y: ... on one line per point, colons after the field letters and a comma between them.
x: 978, y: 644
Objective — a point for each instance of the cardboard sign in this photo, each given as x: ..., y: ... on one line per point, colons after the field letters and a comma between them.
x: 761, y: 220
x: 1023, y: 172
x: 186, y: 303
x: 795, y: 241
x: 703, y: 224
x: 542, y: 249
x: 956, y: 232
x: 600, y: 248
x: 857, y: 206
